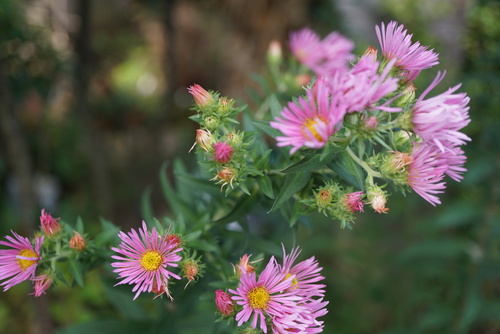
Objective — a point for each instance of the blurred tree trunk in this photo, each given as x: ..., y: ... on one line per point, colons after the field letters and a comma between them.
x: 21, y: 168
x: 91, y: 137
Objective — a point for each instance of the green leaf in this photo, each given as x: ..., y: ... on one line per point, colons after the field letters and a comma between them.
x: 179, y: 207
x: 293, y: 183
x: 76, y: 272
x: 349, y: 170
x: 242, y: 207
x: 310, y: 163
x: 121, y: 299
x: 108, y: 326
x: 275, y: 106
x: 79, y: 225
x: 265, y: 186
x: 266, y: 128
x: 109, y: 233
x: 146, y: 207
x: 244, y: 188
x: 262, y: 161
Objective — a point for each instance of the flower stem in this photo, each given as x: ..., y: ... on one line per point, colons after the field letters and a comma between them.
x: 363, y: 164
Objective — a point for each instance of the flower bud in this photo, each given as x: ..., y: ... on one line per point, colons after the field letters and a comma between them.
x: 370, y: 123
x: 223, y: 152
x: 50, y: 226
x: 190, y: 269
x: 233, y: 139
x: 211, y: 123
x: 225, y: 176
x: 173, y: 238
x: 353, y: 202
x: 302, y: 80
x: 244, y: 266
x: 225, y: 106
x: 42, y: 283
x: 377, y: 198
x: 274, y: 53
x: 77, y: 242
x: 371, y: 52
x: 408, y: 95
x: 204, y: 139
x: 202, y: 98
x: 324, y: 198
x: 224, y: 303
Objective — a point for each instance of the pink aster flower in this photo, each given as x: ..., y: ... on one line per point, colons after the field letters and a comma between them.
x: 306, y: 273
x: 362, y: 86
x: 264, y: 298
x: 42, y: 283
x: 353, y: 201
x: 223, y: 152
x: 325, y: 57
x: 144, y: 260
x: 18, y: 263
x: 426, y: 172
x: 440, y: 118
x: 50, y: 225
x: 310, y: 121
x: 396, y: 44
x: 454, y: 157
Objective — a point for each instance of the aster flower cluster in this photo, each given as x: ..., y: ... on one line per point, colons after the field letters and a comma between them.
x: 284, y: 298
x: 222, y: 147
x: 38, y: 260
x: 363, y: 114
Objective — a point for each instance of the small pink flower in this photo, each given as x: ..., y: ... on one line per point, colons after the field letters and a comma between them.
x: 325, y: 57
x: 439, y: 119
x: 50, y: 226
x: 18, y: 263
x: 310, y: 121
x: 264, y: 298
x: 144, y: 259
x: 396, y: 44
x: 426, y: 172
x: 223, y: 152
x: 224, y: 303
x: 353, y: 201
x: 201, y: 97
x: 42, y: 283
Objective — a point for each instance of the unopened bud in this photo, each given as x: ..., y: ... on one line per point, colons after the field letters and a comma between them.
x: 77, y: 242
x: 370, y: 123
x: 324, y: 198
x: 190, y: 269
x: 202, y: 98
x: 244, y: 266
x: 353, y: 202
x: 302, y: 80
x: 204, y: 139
x: 377, y: 198
x: 225, y: 106
x: 42, y: 283
x: 274, y: 53
x: 223, y: 152
x: 174, y: 239
x: 224, y: 303
x: 211, y: 123
x: 225, y: 176
x: 371, y: 52
x: 233, y: 139
x: 50, y: 226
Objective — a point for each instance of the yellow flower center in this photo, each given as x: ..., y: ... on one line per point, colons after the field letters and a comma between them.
x: 258, y: 297
x: 295, y: 283
x: 151, y: 260
x: 309, y: 124
x: 24, y: 264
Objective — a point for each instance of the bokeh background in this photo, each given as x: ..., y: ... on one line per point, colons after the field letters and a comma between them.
x: 93, y: 100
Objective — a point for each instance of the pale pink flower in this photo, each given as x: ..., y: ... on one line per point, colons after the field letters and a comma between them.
x: 306, y: 274
x: 310, y: 121
x: 144, y: 260
x: 426, y: 172
x: 454, y: 157
x: 265, y: 298
x: 42, y: 283
x: 223, y: 152
x: 50, y: 225
x: 440, y: 118
x: 396, y: 44
x: 362, y: 87
x: 353, y: 201
x: 201, y: 97
x: 224, y: 303
x: 325, y: 57
x: 19, y: 262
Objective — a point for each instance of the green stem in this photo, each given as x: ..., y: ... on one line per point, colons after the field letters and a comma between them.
x: 363, y: 164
